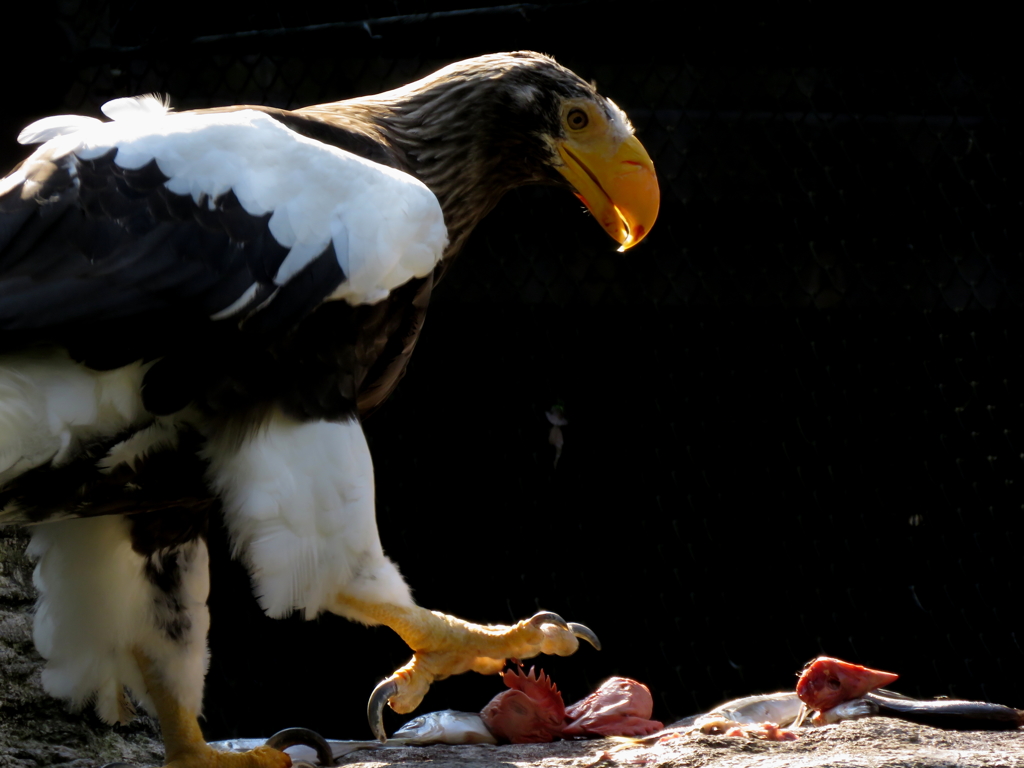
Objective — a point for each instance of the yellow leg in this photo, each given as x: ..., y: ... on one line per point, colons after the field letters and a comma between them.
x: 183, y: 739
x: 445, y: 645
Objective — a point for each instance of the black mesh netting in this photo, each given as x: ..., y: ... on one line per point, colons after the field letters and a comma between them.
x: 796, y: 412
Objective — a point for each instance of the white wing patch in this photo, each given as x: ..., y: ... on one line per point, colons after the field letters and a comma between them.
x: 238, y: 304
x: 385, y: 225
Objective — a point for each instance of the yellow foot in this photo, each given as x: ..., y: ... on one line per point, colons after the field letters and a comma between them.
x: 183, y: 740
x: 444, y: 646
x: 203, y: 756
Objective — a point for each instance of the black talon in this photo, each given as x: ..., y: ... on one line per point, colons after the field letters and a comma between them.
x: 546, y: 617
x: 375, y: 707
x: 585, y: 633
x: 291, y: 737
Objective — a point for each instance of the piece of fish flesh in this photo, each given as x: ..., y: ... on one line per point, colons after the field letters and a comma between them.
x: 827, y: 682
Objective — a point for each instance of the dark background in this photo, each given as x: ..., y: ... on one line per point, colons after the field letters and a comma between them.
x: 796, y: 411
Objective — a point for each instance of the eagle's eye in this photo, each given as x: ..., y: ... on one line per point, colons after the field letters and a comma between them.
x: 577, y: 119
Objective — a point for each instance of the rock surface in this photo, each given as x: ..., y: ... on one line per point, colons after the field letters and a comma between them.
x: 36, y: 730
x: 871, y: 743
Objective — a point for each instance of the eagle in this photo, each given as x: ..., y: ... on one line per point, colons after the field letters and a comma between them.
x: 198, y: 309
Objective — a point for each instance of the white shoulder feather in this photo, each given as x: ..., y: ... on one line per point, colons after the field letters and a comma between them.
x: 135, y: 107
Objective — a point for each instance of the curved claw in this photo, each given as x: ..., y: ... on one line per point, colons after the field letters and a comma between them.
x: 290, y: 737
x: 546, y: 617
x: 584, y: 632
x: 375, y: 707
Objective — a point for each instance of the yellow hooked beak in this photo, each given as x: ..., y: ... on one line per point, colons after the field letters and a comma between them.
x: 617, y: 183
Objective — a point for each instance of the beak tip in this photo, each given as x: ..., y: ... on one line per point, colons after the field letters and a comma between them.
x: 633, y: 237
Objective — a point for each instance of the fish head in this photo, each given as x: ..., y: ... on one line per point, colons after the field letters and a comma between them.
x: 828, y: 682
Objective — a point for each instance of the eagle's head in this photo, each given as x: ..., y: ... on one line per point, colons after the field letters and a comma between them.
x: 479, y: 127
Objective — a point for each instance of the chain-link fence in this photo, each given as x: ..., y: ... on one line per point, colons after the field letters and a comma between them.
x: 796, y: 413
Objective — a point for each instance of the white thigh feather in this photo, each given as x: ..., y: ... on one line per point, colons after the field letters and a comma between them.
x: 299, y: 505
